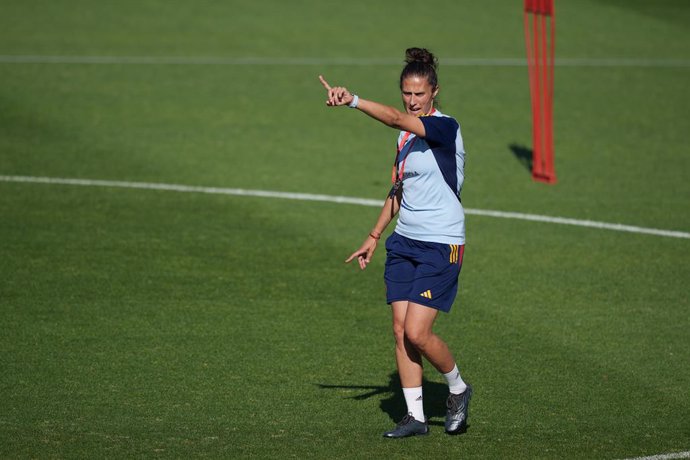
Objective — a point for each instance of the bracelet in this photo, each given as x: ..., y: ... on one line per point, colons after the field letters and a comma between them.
x: 371, y: 234
x: 355, y: 101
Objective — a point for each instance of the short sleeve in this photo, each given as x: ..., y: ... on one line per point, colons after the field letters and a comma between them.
x: 440, y: 130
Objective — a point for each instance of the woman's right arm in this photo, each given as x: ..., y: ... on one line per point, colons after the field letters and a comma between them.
x: 366, y: 251
x: 390, y: 116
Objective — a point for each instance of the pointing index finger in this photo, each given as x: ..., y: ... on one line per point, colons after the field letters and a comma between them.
x: 324, y: 83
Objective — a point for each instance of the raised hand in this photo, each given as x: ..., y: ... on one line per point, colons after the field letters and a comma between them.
x: 337, y: 95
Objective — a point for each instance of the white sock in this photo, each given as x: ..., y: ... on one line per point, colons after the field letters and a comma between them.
x: 415, y: 402
x: 455, y: 383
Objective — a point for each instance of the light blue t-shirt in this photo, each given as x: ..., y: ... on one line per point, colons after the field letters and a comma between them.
x: 432, y: 180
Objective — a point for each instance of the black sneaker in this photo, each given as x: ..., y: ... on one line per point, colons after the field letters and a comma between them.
x: 408, y: 426
x: 456, y: 416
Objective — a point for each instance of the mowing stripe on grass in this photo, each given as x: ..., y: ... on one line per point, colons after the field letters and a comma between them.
x: 320, y: 61
x: 664, y: 456
x: 333, y: 199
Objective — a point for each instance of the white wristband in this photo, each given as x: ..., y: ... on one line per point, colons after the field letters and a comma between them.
x: 355, y: 101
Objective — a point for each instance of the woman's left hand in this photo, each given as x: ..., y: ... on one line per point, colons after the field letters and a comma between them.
x: 338, y: 95
x: 364, y: 253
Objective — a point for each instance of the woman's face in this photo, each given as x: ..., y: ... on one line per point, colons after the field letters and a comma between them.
x: 418, y: 95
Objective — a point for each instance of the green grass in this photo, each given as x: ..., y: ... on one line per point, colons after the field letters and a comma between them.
x: 162, y: 324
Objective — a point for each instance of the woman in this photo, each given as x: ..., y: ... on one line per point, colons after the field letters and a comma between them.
x: 424, y: 254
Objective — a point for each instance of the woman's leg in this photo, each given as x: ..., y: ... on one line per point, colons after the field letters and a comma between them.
x: 412, y: 327
x: 418, y: 324
x: 419, y: 321
x: 407, y: 357
x: 409, y: 362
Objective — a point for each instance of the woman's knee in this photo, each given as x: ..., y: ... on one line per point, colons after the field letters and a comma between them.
x: 417, y: 336
x: 399, y: 333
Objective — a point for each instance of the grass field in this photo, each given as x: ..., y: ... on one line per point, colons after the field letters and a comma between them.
x: 151, y: 323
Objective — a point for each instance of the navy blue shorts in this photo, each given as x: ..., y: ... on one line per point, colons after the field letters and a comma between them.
x: 422, y: 272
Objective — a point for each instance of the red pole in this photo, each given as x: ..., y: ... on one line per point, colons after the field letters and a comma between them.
x: 540, y: 60
x: 538, y: 151
x: 544, y: 96
x: 549, y: 104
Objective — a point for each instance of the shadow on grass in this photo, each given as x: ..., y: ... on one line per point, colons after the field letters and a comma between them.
x: 523, y: 155
x: 393, y: 404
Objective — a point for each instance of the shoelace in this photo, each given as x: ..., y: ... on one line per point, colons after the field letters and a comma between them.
x: 406, y: 419
x: 455, y: 402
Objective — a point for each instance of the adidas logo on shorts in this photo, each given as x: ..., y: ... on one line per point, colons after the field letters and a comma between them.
x: 426, y: 294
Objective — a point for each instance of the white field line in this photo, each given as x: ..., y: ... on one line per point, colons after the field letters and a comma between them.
x: 321, y: 61
x: 664, y: 456
x: 335, y: 199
